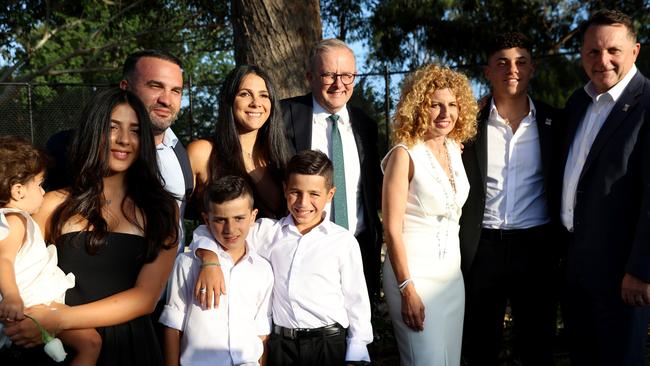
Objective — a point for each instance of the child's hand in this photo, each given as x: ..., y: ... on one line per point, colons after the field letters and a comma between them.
x: 11, y: 308
x: 210, y: 284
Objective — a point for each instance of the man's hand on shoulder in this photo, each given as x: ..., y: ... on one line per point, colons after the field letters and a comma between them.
x: 634, y: 291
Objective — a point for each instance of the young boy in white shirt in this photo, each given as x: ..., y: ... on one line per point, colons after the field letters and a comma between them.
x: 321, y: 310
x: 234, y: 333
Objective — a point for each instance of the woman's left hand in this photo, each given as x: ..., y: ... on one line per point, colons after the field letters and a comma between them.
x: 25, y: 333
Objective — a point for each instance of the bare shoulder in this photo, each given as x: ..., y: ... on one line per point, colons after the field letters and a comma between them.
x: 199, y: 153
x: 398, y: 157
x: 398, y: 165
x: 199, y: 147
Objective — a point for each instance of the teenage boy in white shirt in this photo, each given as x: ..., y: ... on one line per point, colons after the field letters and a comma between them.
x: 235, y: 333
x: 321, y: 310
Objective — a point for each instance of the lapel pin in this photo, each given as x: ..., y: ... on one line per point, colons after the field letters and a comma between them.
x: 626, y: 107
x: 547, y: 122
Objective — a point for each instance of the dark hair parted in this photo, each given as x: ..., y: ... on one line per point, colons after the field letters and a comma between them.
x: 89, y: 163
x: 131, y: 60
x: 506, y: 40
x: 19, y: 162
x: 270, y: 145
x: 226, y: 189
x: 609, y: 17
x: 311, y: 162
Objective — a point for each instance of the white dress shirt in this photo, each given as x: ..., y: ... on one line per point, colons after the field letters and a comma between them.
x: 595, y: 117
x: 321, y: 139
x: 319, y: 279
x: 227, y: 335
x: 172, y: 173
x: 515, y: 182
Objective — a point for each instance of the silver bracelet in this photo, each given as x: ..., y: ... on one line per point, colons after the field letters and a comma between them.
x: 403, y: 285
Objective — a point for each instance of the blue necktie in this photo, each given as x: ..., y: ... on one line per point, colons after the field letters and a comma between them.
x: 340, y: 214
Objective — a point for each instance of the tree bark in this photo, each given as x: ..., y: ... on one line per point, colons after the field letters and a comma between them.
x: 277, y: 36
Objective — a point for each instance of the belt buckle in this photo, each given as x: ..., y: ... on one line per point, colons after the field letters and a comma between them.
x: 288, y: 333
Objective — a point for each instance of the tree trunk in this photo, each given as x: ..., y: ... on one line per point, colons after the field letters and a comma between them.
x: 277, y: 36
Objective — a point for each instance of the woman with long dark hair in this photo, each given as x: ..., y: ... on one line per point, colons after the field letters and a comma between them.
x: 248, y: 141
x: 115, y: 228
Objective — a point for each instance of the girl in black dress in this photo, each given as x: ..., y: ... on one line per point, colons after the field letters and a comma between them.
x: 116, y: 229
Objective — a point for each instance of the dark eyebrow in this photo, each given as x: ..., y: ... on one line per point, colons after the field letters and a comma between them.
x: 158, y: 82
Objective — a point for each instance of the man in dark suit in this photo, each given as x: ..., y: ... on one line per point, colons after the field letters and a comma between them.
x: 605, y: 198
x: 507, y: 256
x: 322, y: 120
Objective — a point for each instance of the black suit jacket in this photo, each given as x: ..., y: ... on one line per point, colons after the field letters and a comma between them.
x: 612, y: 208
x: 298, y: 115
x: 475, y: 162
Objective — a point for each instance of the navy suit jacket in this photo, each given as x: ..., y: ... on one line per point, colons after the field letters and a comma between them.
x: 612, y: 208
x: 475, y: 162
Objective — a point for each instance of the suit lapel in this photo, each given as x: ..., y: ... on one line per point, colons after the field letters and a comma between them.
x: 575, y: 114
x: 357, y: 126
x: 481, y: 144
x: 625, y: 104
x: 481, y: 151
x: 544, y: 122
x: 303, y: 117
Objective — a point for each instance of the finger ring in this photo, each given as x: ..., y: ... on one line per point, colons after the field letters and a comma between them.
x: 203, y: 290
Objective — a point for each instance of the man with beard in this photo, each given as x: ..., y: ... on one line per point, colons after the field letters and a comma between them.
x: 156, y: 78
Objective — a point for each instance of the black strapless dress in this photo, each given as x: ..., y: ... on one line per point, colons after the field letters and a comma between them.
x: 113, y: 269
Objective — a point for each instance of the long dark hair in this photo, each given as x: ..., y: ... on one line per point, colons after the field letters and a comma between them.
x: 271, y: 144
x: 89, y: 164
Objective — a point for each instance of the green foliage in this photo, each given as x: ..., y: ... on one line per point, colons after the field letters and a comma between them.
x: 409, y: 33
x: 87, y: 41
x: 70, y: 41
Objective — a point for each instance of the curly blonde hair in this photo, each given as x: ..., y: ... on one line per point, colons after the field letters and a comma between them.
x: 412, y: 121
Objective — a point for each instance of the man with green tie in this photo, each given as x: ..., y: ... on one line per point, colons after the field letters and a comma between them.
x: 322, y: 120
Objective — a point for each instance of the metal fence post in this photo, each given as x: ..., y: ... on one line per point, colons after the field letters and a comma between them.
x: 387, y: 105
x: 29, y: 107
x: 191, y: 105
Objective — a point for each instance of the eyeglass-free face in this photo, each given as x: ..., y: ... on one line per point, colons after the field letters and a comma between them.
x: 334, y: 93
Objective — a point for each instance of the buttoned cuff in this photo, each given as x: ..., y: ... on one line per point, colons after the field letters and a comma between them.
x: 356, y: 351
x: 172, y: 318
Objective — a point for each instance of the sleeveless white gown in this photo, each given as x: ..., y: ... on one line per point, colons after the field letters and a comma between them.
x: 430, y: 235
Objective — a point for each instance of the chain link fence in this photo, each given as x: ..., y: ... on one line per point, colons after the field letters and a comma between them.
x: 36, y: 111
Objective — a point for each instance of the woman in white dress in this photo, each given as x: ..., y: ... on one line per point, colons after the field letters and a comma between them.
x: 424, y: 189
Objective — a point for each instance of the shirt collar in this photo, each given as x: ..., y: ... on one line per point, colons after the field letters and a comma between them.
x: 615, y: 91
x: 495, y: 116
x: 169, y: 139
x: 321, y: 114
x: 325, y: 226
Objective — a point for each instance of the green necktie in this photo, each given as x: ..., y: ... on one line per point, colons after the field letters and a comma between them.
x: 340, y: 214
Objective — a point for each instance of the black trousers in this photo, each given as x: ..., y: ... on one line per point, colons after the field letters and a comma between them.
x: 519, y: 267
x: 307, y: 351
x: 371, y: 257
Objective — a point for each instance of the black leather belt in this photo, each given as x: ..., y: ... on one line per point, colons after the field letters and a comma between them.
x: 499, y: 234
x: 295, y: 333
